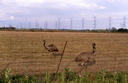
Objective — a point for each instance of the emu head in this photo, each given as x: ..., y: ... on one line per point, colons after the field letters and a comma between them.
x: 44, y: 41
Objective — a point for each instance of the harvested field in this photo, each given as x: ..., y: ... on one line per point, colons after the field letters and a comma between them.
x: 23, y: 52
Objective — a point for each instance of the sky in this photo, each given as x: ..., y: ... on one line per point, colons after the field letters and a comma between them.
x: 14, y: 11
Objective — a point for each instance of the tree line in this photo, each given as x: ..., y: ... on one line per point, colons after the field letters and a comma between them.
x: 113, y: 29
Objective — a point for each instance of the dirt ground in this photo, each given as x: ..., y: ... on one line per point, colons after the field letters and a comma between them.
x: 23, y: 52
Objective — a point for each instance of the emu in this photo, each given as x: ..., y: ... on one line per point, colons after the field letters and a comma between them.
x: 50, y: 47
x: 86, y: 59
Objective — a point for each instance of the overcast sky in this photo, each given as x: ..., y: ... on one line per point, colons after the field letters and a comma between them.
x: 50, y: 9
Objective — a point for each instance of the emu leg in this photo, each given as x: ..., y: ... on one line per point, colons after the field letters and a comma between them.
x: 82, y: 68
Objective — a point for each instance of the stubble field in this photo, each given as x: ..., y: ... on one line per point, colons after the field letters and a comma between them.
x: 23, y: 52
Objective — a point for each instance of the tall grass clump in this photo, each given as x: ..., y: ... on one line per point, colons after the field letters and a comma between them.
x: 67, y: 76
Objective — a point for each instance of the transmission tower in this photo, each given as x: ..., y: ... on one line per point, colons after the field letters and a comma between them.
x: 94, y: 22
x: 56, y: 25
x: 59, y: 19
x: 124, y: 22
x: 110, y: 22
x: 83, y: 23
x: 45, y: 25
x: 29, y: 25
x: 70, y: 23
x: 36, y: 24
x: 21, y: 25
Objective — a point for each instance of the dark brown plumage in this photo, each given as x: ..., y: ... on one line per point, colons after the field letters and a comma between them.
x: 86, y: 58
x: 50, y: 47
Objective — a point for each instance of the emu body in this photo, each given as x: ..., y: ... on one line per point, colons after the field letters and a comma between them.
x: 50, y: 47
x: 83, y: 56
x: 86, y: 59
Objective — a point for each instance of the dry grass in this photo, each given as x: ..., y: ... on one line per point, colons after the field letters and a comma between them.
x: 26, y: 54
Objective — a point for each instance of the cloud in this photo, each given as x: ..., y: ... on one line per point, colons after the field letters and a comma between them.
x: 24, y: 3
x: 84, y: 4
x: 55, y: 8
x: 119, y: 1
x: 34, y: 8
x: 11, y: 17
x: 54, y: 3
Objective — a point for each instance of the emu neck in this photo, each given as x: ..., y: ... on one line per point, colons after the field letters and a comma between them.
x: 45, y: 45
x: 94, y: 50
